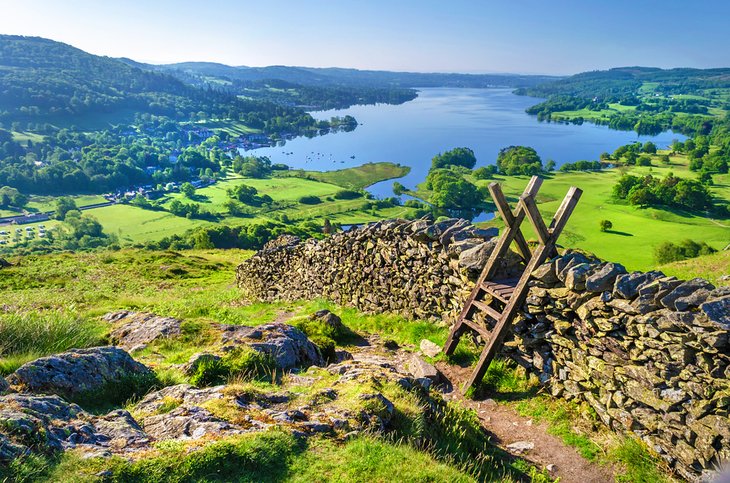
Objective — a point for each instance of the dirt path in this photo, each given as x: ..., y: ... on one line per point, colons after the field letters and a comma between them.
x: 506, y: 426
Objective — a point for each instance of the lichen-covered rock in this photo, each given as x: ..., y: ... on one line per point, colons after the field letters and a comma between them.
x: 188, y: 422
x: 78, y: 372
x: 48, y: 424
x: 4, y: 386
x: 604, y: 277
x: 329, y: 319
x: 287, y: 345
x: 718, y: 311
x: 133, y: 329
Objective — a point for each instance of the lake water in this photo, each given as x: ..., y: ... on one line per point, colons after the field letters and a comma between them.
x: 484, y: 120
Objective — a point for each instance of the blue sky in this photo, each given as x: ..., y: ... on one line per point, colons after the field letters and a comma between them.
x: 525, y: 36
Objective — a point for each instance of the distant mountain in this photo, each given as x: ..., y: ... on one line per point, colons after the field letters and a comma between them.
x: 623, y: 82
x: 333, y: 76
x: 46, y: 81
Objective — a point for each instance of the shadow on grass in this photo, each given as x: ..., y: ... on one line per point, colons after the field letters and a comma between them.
x: 621, y: 233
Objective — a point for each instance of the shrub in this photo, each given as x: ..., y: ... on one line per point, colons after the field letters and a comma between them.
x: 516, y: 160
x: 454, y: 157
x: 605, y: 225
x: 310, y: 200
x: 348, y: 195
x: 243, y: 362
x: 668, y: 252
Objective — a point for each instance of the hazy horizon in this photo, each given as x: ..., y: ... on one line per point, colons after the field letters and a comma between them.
x: 532, y: 37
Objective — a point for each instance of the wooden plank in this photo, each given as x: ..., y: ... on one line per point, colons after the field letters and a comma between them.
x: 483, y: 331
x: 495, y: 314
x: 494, y: 293
x: 535, y: 219
x: 506, y: 213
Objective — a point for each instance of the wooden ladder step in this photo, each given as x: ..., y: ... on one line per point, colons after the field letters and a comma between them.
x: 483, y: 331
x: 495, y: 314
x: 501, y: 289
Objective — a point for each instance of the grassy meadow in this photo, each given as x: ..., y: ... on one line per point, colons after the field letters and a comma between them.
x: 636, y: 231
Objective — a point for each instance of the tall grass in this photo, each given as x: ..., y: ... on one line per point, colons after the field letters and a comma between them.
x: 29, y: 335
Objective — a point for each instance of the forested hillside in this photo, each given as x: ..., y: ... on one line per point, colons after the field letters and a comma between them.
x: 647, y: 100
x: 43, y: 81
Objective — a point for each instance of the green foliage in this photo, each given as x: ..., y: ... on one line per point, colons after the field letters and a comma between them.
x: 668, y: 252
x: 485, y: 172
x: 187, y: 189
x: 519, y: 160
x: 605, y: 225
x: 348, y: 195
x: 11, y: 197
x: 243, y: 363
x: 63, y: 206
x: 248, y: 195
x: 310, y: 200
x: 260, y: 457
x: 37, y: 334
x: 581, y: 165
x: 670, y: 191
x: 452, y: 191
x: 398, y: 189
x: 252, y: 166
x: 454, y: 157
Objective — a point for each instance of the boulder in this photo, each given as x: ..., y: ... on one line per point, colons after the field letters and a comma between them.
x: 186, y: 423
x: 4, y: 386
x: 718, y: 311
x: 475, y: 258
x: 420, y: 369
x: 78, y: 372
x: 288, y: 345
x: 684, y: 291
x: 329, y: 319
x: 48, y: 424
x: 627, y: 284
x: 429, y: 348
x: 604, y: 277
x: 137, y: 328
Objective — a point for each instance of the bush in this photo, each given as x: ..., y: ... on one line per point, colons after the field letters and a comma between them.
x: 668, y: 252
x: 243, y: 362
x: 454, y: 157
x: 519, y: 160
x: 348, y: 195
x: 485, y: 172
x: 310, y: 200
x: 605, y: 225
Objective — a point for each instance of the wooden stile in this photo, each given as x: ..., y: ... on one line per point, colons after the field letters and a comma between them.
x: 511, y: 292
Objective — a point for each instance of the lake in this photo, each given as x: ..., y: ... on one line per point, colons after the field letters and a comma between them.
x: 485, y: 120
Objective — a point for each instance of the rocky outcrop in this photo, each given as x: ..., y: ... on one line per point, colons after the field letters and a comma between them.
x: 287, y: 345
x: 416, y: 268
x: 78, y: 372
x: 649, y: 353
x: 134, y: 330
x: 48, y: 424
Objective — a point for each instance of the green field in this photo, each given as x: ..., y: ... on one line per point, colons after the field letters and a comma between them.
x: 636, y: 231
x: 357, y: 177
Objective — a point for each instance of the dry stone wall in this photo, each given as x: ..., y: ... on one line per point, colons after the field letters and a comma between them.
x: 649, y: 353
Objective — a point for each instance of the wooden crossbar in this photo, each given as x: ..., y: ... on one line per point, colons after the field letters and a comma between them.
x: 512, y: 292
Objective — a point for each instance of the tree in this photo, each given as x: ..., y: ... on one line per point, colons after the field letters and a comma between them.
x: 649, y: 148
x: 485, y: 172
x: 455, y: 157
x: 519, y: 160
x: 187, y: 189
x: 605, y: 225
x: 64, y: 204
x: 450, y: 190
x: 398, y: 189
x: 550, y: 165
